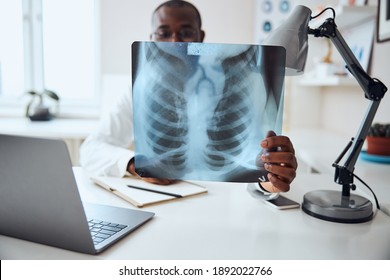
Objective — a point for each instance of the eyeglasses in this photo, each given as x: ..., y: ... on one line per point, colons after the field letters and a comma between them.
x: 186, y: 34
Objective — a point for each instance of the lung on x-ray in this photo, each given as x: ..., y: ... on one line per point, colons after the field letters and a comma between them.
x: 201, y: 110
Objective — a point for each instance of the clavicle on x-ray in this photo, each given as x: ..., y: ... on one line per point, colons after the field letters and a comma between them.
x: 201, y: 109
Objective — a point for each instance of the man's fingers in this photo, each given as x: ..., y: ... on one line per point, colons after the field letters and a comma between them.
x: 278, y: 183
x: 282, y: 143
x: 285, y: 159
x: 286, y: 174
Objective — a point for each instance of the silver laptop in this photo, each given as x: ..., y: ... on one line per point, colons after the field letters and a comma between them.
x: 40, y: 201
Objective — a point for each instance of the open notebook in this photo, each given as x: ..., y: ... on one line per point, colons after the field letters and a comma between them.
x: 141, y: 193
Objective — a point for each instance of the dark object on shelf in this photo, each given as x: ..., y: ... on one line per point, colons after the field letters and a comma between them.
x: 41, y: 112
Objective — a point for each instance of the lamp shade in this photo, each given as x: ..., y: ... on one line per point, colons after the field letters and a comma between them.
x: 292, y: 34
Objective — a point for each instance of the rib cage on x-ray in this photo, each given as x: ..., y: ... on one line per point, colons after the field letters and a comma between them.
x: 230, y: 125
x: 222, y: 137
x: 166, y: 122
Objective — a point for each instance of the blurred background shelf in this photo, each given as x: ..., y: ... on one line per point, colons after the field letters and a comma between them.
x: 329, y: 81
x: 347, y: 16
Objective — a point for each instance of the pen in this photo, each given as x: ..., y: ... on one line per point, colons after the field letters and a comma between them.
x: 155, y: 191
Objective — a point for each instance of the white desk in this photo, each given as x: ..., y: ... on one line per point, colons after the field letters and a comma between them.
x: 72, y: 131
x: 227, y: 223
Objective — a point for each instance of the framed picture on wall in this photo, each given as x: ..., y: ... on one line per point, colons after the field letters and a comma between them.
x: 383, y: 21
x: 269, y: 15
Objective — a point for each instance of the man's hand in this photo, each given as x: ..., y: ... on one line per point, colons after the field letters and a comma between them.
x: 157, y: 181
x: 279, y: 160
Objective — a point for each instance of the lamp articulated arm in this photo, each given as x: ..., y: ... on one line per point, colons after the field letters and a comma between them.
x: 374, y: 91
x: 331, y: 205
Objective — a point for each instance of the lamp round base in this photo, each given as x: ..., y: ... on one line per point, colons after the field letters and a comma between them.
x: 332, y: 206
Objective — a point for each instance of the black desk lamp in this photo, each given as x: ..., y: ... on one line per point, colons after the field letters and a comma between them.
x: 329, y: 205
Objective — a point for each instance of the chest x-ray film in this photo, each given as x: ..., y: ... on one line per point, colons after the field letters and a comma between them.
x: 201, y: 110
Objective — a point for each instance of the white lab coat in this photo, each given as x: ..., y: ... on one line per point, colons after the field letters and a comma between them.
x: 106, y: 152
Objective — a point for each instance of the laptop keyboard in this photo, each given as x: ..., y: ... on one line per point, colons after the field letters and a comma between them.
x: 101, y: 230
